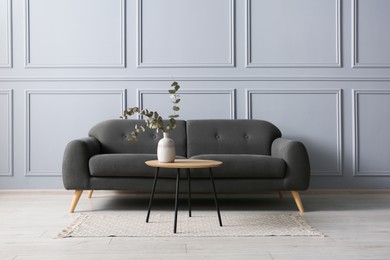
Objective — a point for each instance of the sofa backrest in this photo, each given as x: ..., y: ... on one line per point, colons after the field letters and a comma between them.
x: 113, y: 136
x: 230, y: 137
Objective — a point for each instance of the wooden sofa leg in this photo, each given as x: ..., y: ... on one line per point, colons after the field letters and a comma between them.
x: 90, y: 192
x: 298, y: 201
x: 76, y: 197
x: 281, y: 196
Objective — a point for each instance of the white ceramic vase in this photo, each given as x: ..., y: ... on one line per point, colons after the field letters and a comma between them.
x: 166, y: 151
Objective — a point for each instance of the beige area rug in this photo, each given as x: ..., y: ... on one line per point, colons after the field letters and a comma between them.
x: 161, y: 225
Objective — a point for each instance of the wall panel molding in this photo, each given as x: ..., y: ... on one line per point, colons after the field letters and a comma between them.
x: 231, y: 106
x: 8, y: 129
x: 355, y: 40
x: 141, y: 63
x: 375, y: 130
x: 120, y: 63
x: 249, y: 48
x: 338, y: 119
x: 121, y: 93
x: 193, y: 78
x: 7, y: 63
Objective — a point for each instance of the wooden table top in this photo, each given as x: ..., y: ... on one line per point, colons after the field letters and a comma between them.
x: 185, y: 164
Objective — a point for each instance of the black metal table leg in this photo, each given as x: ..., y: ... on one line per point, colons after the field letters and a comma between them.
x: 189, y: 191
x: 152, y: 195
x: 215, y: 197
x: 177, y: 199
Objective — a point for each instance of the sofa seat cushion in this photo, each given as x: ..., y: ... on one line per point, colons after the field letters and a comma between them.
x: 242, y: 166
x: 126, y: 165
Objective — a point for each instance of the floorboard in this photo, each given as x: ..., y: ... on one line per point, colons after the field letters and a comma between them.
x: 356, y: 225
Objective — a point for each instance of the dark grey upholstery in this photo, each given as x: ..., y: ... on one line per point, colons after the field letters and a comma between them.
x: 239, y: 166
x: 125, y: 165
x: 230, y: 137
x: 255, y: 157
x: 113, y: 137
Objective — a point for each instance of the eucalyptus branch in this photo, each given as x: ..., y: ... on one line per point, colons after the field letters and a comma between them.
x: 152, y: 119
x: 175, y: 101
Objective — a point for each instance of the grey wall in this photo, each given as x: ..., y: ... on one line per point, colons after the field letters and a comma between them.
x: 318, y: 69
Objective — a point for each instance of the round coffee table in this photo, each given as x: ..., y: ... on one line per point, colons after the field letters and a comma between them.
x: 184, y: 164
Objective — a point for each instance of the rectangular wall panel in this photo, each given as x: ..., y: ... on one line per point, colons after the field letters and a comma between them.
x: 5, y: 34
x: 371, y: 39
x: 54, y: 118
x: 73, y: 33
x: 371, y: 133
x: 6, y: 136
x: 310, y: 116
x: 186, y: 33
x: 294, y: 33
x: 194, y: 104
x: 66, y: 64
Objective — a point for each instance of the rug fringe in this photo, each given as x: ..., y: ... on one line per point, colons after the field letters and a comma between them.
x: 310, y: 228
x: 67, y: 232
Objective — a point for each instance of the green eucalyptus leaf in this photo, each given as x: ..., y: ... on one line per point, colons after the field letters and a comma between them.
x: 152, y: 119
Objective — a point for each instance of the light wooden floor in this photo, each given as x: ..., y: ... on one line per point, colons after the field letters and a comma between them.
x: 357, y: 226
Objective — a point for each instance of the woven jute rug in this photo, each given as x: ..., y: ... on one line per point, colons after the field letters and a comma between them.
x: 161, y: 225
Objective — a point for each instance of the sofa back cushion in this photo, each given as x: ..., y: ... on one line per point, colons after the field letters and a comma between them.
x: 113, y: 137
x: 230, y: 137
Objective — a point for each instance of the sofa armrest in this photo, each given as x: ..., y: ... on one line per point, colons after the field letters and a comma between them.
x: 75, y: 165
x: 297, y: 161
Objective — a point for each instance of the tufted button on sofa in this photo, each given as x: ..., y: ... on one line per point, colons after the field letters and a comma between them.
x: 255, y: 158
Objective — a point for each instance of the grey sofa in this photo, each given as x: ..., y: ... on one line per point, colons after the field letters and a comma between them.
x: 255, y: 158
